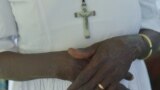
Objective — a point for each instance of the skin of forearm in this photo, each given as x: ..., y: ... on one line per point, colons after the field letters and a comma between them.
x: 141, y: 45
x: 16, y: 66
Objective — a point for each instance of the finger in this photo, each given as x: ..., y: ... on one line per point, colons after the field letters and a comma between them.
x: 129, y: 76
x: 81, y: 79
x: 81, y: 53
x: 121, y: 87
x: 107, y: 82
x: 94, y: 81
x: 85, y: 75
x: 114, y: 86
x: 117, y: 86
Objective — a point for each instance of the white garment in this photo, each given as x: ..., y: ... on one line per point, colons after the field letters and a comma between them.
x: 8, y: 28
x: 46, y: 25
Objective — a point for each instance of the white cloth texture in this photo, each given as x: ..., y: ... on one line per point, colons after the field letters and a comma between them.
x: 8, y: 28
x: 44, y: 25
x: 150, y: 15
x: 50, y: 25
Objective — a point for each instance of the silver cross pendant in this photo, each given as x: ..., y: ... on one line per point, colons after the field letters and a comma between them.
x: 85, y: 14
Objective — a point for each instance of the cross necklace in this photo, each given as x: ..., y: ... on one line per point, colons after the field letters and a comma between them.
x: 85, y: 14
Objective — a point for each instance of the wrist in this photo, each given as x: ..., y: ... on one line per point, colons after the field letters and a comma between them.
x: 58, y: 62
x: 66, y: 67
x: 143, y: 48
x: 149, y: 50
x: 154, y: 38
x: 137, y: 43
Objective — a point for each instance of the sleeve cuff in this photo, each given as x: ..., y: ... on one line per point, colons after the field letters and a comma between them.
x: 153, y: 24
x: 7, y: 44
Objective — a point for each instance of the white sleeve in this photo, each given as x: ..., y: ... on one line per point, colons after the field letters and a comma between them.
x: 150, y: 15
x: 8, y: 28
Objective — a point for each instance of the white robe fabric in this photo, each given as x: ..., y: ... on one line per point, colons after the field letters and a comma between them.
x: 8, y: 29
x: 50, y: 25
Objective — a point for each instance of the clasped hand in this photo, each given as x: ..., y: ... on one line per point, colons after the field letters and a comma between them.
x: 109, y: 63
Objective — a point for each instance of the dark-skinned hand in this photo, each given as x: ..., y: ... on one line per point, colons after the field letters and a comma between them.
x: 75, y: 61
x: 86, y: 54
x: 60, y: 65
x: 110, y: 63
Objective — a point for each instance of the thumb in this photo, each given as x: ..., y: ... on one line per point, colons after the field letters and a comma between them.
x: 81, y: 53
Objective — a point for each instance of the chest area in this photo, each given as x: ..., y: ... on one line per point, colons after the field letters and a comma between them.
x: 64, y: 10
x: 53, y: 19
